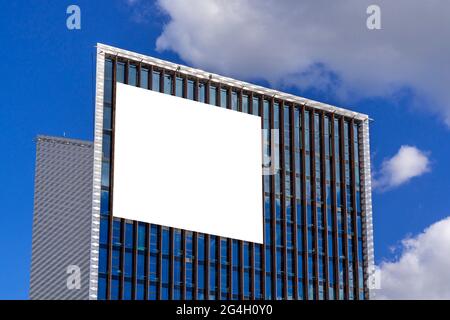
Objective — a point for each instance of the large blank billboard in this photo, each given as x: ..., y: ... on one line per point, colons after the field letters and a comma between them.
x: 188, y: 165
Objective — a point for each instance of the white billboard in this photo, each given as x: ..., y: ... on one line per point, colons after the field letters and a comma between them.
x: 188, y: 165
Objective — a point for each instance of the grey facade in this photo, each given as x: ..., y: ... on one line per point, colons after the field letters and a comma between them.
x: 62, y: 217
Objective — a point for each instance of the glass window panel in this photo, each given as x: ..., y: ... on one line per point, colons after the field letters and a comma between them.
x: 152, y: 291
x: 105, y: 174
x: 235, y: 252
x: 201, y: 275
x: 190, y: 89
x: 179, y: 87
x: 140, y: 290
x: 116, y: 232
x: 115, y: 289
x: 107, y: 123
x: 168, y: 81
x: 212, y: 95
x: 132, y: 75
x: 115, y: 261
x: 223, y: 98
x: 141, y: 265
x: 101, y: 293
x: 201, y: 247
x: 178, y: 250
x: 120, y: 72
x: 106, y: 146
x: 128, y: 263
x: 104, y: 230
x: 165, y: 241
x: 201, y: 92
x: 245, y: 103
x: 103, y: 259
x: 144, y: 78
x: 212, y: 277
x: 212, y: 248
x: 268, y: 283
x: 255, y: 106
x: 154, y: 239
x: 108, y: 81
x: 141, y: 236
x: 234, y: 100
x: 129, y: 235
x: 165, y: 270
x: 156, y: 81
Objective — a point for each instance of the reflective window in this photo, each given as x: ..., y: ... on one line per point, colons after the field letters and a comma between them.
x: 223, y: 98
x: 105, y: 174
x: 201, y: 247
x: 120, y: 72
x: 144, y: 78
x: 141, y: 236
x: 156, y: 81
x: 128, y: 262
x: 212, y: 248
x: 201, y: 92
x: 245, y: 103
x: 168, y: 83
x: 190, y: 89
x: 104, y: 230
x: 234, y: 100
x: 103, y: 260
x: 107, y: 123
x: 165, y: 241
x: 255, y: 106
x: 140, y: 265
x: 140, y: 289
x: 129, y: 235
x: 212, y: 95
x: 116, y: 232
x: 101, y: 293
x: 114, y: 288
x: 179, y: 87
x: 132, y: 75
x: 108, y: 81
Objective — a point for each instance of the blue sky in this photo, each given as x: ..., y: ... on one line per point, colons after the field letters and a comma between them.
x: 47, y: 88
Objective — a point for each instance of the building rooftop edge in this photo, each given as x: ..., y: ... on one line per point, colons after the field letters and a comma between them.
x: 103, y: 48
x: 64, y: 140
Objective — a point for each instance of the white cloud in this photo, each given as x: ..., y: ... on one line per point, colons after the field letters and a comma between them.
x: 423, y: 269
x: 409, y: 162
x: 324, y: 45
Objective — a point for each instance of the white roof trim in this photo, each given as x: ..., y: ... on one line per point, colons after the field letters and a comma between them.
x: 228, y: 81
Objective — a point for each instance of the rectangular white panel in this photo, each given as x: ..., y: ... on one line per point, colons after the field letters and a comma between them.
x: 187, y: 165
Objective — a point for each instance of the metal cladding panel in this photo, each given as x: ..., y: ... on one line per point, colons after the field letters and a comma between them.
x: 62, y: 218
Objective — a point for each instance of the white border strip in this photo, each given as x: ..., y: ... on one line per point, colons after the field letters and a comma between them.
x: 366, y: 203
x: 228, y: 81
x: 96, y: 190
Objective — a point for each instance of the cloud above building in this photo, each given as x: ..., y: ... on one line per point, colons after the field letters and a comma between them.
x: 320, y: 45
x: 421, y: 271
x: 409, y: 162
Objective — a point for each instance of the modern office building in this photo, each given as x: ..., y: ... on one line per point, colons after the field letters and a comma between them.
x: 315, y: 213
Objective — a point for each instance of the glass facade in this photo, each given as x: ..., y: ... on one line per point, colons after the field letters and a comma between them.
x: 312, y: 209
